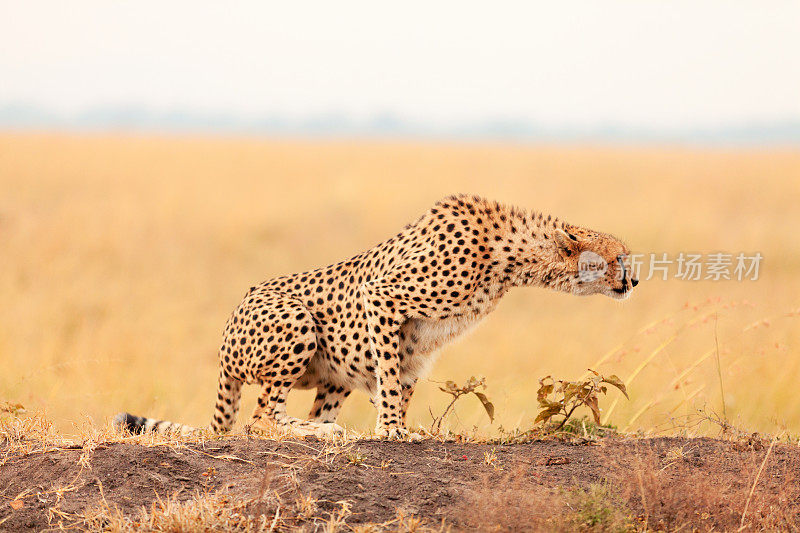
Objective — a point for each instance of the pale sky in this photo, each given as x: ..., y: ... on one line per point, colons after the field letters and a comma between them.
x: 565, y: 63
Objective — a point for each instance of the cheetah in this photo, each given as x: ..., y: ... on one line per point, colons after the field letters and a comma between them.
x: 374, y: 322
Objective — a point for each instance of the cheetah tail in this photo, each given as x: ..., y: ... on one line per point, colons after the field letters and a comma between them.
x: 229, y: 393
x: 139, y: 424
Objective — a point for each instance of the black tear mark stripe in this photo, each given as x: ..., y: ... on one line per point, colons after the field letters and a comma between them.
x: 624, y: 272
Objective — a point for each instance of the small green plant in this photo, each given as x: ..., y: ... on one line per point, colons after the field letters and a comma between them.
x: 596, y: 508
x: 355, y: 458
x: 562, y: 398
x: 511, y: 436
x: 456, y: 391
x: 586, y: 428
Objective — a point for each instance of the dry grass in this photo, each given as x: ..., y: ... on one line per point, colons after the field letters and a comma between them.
x: 670, y: 495
x: 646, y: 491
x: 218, y: 512
x: 202, y: 513
x: 618, y: 485
x: 120, y: 259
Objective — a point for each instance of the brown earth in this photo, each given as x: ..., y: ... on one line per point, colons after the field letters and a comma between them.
x: 659, y: 483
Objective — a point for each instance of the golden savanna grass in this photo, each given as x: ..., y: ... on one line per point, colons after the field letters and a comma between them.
x: 121, y: 258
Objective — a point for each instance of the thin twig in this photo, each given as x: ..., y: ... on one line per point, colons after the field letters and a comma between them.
x: 275, y: 520
x: 566, y: 416
x: 437, y: 423
x: 641, y: 491
x: 755, y: 482
x: 719, y: 368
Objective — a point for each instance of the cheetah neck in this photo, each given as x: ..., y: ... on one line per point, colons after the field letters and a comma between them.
x: 524, y: 252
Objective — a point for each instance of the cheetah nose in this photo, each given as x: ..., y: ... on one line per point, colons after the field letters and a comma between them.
x: 634, y: 282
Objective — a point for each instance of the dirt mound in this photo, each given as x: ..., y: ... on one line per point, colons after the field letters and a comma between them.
x: 665, y: 482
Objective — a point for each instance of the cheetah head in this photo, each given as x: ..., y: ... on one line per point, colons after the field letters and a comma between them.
x: 595, y: 263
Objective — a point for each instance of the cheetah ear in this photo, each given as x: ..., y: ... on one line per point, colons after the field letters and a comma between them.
x: 567, y: 244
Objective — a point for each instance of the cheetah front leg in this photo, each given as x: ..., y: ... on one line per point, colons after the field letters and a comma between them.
x: 384, y: 319
x: 405, y: 398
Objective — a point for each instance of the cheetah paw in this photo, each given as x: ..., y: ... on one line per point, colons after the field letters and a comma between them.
x: 398, y: 434
x: 328, y: 429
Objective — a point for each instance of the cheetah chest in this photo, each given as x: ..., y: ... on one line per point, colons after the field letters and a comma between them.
x: 423, y: 337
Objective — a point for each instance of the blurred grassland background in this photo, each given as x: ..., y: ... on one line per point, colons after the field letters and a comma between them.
x: 122, y: 257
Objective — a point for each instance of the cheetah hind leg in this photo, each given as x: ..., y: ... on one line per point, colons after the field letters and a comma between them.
x: 280, y: 363
x: 271, y: 408
x: 328, y: 402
